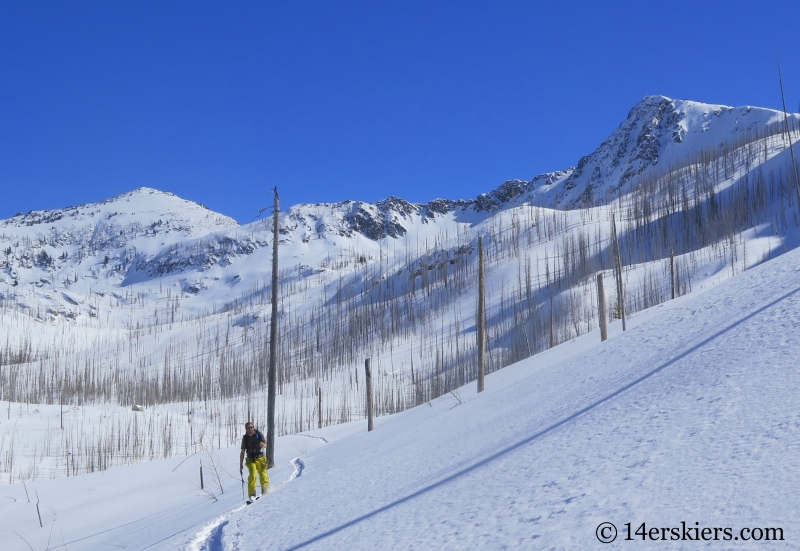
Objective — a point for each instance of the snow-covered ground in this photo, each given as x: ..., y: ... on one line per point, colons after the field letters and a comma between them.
x: 145, y: 506
x: 691, y: 416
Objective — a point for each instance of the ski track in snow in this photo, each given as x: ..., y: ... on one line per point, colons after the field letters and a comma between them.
x: 312, y: 436
x: 209, y: 538
x: 161, y: 518
x: 299, y: 466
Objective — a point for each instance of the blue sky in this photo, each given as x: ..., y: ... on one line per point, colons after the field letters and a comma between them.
x: 219, y: 102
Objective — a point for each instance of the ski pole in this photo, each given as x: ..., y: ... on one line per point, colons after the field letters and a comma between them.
x: 242, y: 477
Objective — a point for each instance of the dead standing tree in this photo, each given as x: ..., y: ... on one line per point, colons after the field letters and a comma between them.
x: 319, y: 408
x: 789, y: 135
x: 672, y: 273
x: 618, y: 273
x: 273, y: 339
x: 370, y: 411
x: 601, y: 308
x: 481, y: 319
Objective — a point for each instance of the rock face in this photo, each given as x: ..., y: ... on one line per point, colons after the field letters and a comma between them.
x: 633, y: 148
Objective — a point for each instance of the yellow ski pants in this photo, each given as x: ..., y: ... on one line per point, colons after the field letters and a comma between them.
x: 258, y: 466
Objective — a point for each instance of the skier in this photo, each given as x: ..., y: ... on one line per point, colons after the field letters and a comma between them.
x: 253, y: 443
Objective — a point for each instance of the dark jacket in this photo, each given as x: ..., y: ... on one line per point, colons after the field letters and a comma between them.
x: 252, y: 444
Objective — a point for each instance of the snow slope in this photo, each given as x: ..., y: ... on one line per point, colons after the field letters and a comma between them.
x: 692, y: 415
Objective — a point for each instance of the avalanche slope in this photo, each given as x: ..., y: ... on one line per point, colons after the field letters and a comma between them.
x: 690, y: 416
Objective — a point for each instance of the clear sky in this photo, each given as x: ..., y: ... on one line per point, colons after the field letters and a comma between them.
x: 220, y: 101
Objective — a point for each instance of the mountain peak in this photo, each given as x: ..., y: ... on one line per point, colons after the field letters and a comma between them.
x: 657, y: 131
x: 141, y: 206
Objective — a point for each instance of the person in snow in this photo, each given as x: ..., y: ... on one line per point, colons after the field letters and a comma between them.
x: 253, y: 444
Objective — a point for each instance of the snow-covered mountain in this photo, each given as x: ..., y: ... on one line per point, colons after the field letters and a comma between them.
x: 41, y: 247
x: 146, y: 233
x: 658, y: 131
x: 129, y: 214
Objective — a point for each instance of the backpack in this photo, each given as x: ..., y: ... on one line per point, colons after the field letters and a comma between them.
x: 254, y: 444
